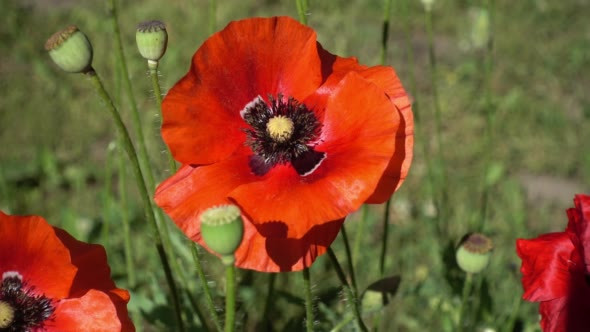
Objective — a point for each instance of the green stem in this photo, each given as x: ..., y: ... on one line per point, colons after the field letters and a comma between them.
x: 347, y: 319
x: 205, y: 286
x: 348, y: 289
x: 385, y: 30
x: 269, y: 297
x: 384, y: 238
x: 464, y: 300
x: 302, y: 10
x: 359, y: 234
x: 230, y: 297
x: 349, y: 261
x: 153, y: 67
x: 149, y: 212
x: 308, y: 301
x: 212, y: 16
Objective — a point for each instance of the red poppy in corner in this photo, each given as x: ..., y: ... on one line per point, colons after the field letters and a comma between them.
x: 555, y: 270
x: 52, y: 282
x: 297, y: 137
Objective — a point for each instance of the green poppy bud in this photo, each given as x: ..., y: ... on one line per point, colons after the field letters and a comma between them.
x: 222, y: 229
x: 152, y: 39
x: 70, y: 49
x: 474, y: 252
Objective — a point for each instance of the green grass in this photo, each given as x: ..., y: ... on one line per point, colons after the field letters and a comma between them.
x: 55, y: 139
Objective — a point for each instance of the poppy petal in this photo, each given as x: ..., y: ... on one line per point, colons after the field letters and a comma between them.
x: 569, y: 313
x: 358, y: 139
x: 39, y: 251
x: 579, y: 225
x: 190, y: 191
x: 546, y: 264
x: 385, y: 78
x: 93, y: 312
x: 248, y: 59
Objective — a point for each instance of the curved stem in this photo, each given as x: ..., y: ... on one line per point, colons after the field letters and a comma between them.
x: 359, y: 234
x: 348, y: 289
x: 464, y: 299
x: 308, y: 301
x: 230, y: 298
x: 149, y: 212
x: 205, y: 286
x: 349, y: 261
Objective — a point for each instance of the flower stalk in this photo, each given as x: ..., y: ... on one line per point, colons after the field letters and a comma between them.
x: 230, y: 297
x: 206, y: 289
x: 308, y: 301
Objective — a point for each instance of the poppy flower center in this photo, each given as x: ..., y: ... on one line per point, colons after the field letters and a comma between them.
x: 282, y: 132
x: 20, y: 309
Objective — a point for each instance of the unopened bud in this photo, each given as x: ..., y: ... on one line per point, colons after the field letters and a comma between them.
x: 222, y: 229
x: 152, y: 39
x: 474, y: 253
x: 70, y: 49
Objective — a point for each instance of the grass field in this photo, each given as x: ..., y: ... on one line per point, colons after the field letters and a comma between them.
x: 510, y: 84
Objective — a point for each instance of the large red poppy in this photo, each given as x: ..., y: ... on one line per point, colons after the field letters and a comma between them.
x: 555, y: 272
x: 297, y: 137
x: 52, y: 282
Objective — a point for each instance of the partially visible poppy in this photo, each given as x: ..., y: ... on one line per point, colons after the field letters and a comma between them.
x: 52, y: 282
x: 297, y: 137
x: 555, y: 272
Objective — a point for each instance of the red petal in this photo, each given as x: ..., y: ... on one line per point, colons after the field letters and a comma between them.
x: 93, y: 312
x: 386, y: 79
x: 29, y: 246
x: 193, y: 189
x: 579, y: 225
x: 358, y: 137
x: 569, y: 313
x: 547, y: 264
x: 94, y: 273
x: 249, y: 58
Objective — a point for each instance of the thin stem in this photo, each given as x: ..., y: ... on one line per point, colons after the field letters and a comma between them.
x: 230, y: 298
x: 347, y: 319
x: 359, y: 234
x: 302, y: 10
x: 269, y: 297
x: 385, y: 30
x: 153, y: 67
x: 349, y: 261
x: 464, y: 300
x: 205, y: 286
x: 149, y: 212
x: 212, y: 16
x: 384, y: 238
x: 308, y: 301
x: 125, y: 220
x: 348, y: 289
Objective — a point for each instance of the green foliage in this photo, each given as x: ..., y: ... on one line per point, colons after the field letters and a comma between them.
x: 56, y: 160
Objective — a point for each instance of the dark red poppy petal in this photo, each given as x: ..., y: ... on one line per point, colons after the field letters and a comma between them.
x: 29, y: 246
x: 386, y: 79
x: 358, y: 138
x: 93, y: 312
x: 190, y: 191
x: 547, y: 264
x: 568, y: 313
x: 249, y: 58
x: 579, y: 226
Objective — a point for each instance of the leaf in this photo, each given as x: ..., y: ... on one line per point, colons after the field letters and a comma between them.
x: 377, y: 295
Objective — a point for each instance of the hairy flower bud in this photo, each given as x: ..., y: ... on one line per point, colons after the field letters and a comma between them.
x: 152, y: 39
x: 474, y: 253
x: 70, y: 49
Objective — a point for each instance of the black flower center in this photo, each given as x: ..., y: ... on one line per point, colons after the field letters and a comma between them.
x: 282, y: 132
x: 20, y: 309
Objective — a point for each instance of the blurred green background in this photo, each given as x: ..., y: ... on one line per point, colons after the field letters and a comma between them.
x: 59, y: 157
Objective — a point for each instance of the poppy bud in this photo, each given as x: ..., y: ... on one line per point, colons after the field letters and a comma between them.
x: 152, y: 39
x: 474, y: 252
x: 222, y: 229
x: 70, y: 49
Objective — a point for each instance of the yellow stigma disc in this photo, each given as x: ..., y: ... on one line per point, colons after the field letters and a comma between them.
x: 6, y: 314
x: 280, y: 128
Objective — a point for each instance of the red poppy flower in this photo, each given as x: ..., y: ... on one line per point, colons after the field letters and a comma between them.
x: 297, y: 137
x: 555, y: 270
x: 52, y: 282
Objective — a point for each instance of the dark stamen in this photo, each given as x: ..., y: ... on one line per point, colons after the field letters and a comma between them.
x: 30, y: 310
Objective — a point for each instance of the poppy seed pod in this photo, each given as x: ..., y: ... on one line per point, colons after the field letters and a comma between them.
x: 474, y: 253
x: 222, y: 229
x: 70, y: 49
x: 152, y: 39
